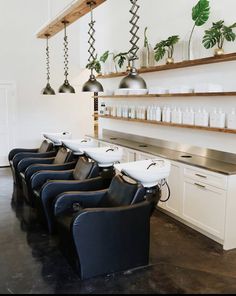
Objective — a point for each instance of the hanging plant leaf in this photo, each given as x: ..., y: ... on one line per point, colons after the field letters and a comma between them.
x: 104, y: 57
x: 171, y: 41
x: 159, y: 53
x: 122, y: 57
x: 94, y: 65
x: 201, y: 12
x: 228, y: 34
x: 210, y: 39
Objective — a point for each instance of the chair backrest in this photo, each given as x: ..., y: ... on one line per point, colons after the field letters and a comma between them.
x: 123, y: 193
x: 62, y: 156
x: 45, y: 147
x: 85, y: 169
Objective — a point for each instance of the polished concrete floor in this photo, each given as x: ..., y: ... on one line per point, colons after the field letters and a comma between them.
x: 181, y: 261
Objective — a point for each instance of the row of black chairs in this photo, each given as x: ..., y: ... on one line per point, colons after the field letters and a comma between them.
x: 102, y: 219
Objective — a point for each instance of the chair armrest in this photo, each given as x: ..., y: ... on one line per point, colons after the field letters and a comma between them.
x: 13, y: 152
x: 18, y: 157
x: 65, y: 201
x: 111, y: 239
x: 38, y: 179
x: 26, y: 162
x: 32, y: 169
x: 52, y: 189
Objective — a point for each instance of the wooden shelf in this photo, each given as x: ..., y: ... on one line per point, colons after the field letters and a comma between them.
x: 208, y: 94
x: 211, y: 129
x: 71, y: 14
x: 179, y: 65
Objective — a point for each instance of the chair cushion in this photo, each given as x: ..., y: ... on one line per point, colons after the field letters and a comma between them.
x: 83, y: 169
x: 121, y: 193
x: 61, y: 156
x: 45, y: 147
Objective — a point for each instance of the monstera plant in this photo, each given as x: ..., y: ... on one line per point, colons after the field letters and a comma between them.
x: 166, y: 46
x: 217, y: 35
x: 200, y: 15
x: 94, y: 65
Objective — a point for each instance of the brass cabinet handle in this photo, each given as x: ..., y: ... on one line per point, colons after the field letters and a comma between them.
x: 201, y: 176
x: 199, y: 185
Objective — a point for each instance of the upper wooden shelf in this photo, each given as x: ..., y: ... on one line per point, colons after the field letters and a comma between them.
x: 177, y: 95
x: 71, y: 14
x: 185, y: 64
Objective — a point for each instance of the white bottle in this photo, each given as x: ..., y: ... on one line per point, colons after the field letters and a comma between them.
x: 231, y: 119
x: 205, y: 118
x: 213, y: 118
x: 168, y: 115
x: 148, y: 113
x: 157, y: 114
x: 198, y: 118
x: 191, y: 117
x: 221, y: 119
x: 133, y: 112
x: 178, y: 116
x: 174, y: 115
x: 186, y: 114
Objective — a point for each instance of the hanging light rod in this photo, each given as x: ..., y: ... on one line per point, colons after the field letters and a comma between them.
x: 72, y: 14
x: 48, y: 89
x: 92, y: 85
x: 133, y: 80
x: 66, y: 87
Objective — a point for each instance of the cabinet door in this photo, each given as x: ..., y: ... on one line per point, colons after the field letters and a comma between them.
x: 144, y: 156
x: 175, y: 181
x: 204, y: 206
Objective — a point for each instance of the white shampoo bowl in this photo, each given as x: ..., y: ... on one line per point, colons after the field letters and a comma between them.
x: 57, y: 138
x: 105, y: 156
x: 148, y: 172
x: 78, y: 145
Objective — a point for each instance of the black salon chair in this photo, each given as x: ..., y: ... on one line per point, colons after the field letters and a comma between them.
x: 105, y: 231
x: 16, y: 155
x: 64, y: 160
x: 46, y: 185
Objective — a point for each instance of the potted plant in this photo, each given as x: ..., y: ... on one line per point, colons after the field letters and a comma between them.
x: 217, y: 35
x: 147, y: 54
x: 105, y: 57
x: 166, y: 46
x: 200, y: 15
x: 94, y: 65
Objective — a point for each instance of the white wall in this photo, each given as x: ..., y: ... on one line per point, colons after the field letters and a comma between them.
x: 165, y: 18
x: 22, y: 60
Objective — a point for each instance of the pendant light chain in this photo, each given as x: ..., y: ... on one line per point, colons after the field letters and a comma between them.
x: 48, y: 61
x: 135, y: 28
x: 66, y: 55
x: 91, y: 34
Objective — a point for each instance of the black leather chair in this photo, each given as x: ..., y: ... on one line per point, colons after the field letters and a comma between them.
x: 16, y: 155
x: 46, y: 185
x: 64, y: 160
x: 105, y: 231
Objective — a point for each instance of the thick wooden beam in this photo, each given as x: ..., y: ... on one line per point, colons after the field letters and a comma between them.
x: 72, y: 14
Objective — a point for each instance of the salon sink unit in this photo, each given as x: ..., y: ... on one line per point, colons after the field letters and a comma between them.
x: 105, y: 156
x: 78, y: 145
x: 148, y: 172
x: 57, y: 138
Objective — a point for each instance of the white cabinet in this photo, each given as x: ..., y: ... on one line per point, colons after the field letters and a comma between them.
x: 202, y: 199
x: 204, y: 206
x: 173, y: 205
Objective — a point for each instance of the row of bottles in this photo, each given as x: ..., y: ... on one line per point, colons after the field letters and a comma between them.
x: 176, y: 115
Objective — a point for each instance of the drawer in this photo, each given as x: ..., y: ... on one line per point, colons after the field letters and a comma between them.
x: 204, y: 206
x: 206, y: 177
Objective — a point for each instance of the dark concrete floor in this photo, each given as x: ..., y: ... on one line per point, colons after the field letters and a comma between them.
x: 181, y: 260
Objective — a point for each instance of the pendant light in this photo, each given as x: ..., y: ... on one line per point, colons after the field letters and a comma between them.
x: 133, y: 80
x: 48, y: 89
x: 92, y: 85
x: 66, y: 87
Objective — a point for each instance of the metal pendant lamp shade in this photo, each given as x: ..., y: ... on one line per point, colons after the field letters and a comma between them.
x: 92, y: 85
x: 133, y: 80
x: 66, y: 88
x: 48, y: 90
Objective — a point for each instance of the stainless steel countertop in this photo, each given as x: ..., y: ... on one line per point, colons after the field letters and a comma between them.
x: 193, y: 160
